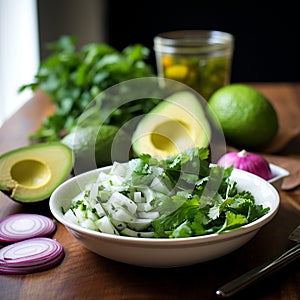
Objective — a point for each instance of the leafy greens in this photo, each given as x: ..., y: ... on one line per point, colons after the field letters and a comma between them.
x: 73, y: 78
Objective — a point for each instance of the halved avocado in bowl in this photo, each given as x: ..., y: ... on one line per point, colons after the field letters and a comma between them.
x: 31, y: 173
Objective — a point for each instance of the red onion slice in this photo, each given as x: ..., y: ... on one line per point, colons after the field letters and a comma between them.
x: 22, y: 226
x: 30, y: 256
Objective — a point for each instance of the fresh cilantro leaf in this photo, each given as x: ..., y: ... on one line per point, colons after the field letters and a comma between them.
x: 73, y: 78
x: 183, y: 230
x: 233, y: 221
x: 169, y: 222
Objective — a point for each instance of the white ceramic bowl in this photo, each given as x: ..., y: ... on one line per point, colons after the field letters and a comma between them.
x: 278, y: 174
x: 153, y: 252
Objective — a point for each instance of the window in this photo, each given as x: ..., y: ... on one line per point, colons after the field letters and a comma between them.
x: 19, y: 52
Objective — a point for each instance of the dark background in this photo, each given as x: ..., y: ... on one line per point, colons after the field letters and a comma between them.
x: 266, y: 34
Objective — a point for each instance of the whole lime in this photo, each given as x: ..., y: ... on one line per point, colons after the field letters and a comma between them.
x: 248, y: 119
x: 100, y: 144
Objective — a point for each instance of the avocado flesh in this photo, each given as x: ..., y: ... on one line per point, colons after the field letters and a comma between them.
x: 174, y: 125
x: 31, y: 173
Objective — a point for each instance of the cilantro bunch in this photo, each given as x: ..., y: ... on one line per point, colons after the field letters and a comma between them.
x: 73, y: 78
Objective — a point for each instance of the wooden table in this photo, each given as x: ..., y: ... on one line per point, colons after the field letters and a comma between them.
x: 84, y: 275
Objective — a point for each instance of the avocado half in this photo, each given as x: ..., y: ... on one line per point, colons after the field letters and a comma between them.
x: 31, y: 173
x: 174, y: 125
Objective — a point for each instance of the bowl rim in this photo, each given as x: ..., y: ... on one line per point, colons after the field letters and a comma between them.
x: 207, y: 239
x: 279, y: 172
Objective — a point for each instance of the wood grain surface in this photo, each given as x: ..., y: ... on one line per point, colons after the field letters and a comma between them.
x: 85, y: 275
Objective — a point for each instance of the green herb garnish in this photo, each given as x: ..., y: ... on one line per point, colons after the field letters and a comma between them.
x: 73, y: 78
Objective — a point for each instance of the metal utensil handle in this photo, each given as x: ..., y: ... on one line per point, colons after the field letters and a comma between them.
x: 253, y: 275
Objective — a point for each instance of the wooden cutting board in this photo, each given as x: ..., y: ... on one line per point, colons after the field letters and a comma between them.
x: 286, y: 102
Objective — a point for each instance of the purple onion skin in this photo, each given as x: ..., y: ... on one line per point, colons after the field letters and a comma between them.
x: 250, y: 162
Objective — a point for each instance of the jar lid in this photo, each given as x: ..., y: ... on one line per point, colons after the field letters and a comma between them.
x: 194, y: 41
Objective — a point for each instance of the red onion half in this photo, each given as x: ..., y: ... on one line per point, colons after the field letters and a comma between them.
x: 30, y: 256
x: 247, y: 161
x: 22, y: 226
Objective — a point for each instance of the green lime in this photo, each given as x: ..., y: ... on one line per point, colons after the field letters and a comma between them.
x: 247, y: 117
x: 105, y: 140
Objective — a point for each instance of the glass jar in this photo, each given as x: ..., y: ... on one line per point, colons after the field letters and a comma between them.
x: 200, y: 59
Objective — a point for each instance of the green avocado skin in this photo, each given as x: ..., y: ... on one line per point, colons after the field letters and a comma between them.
x: 31, y: 173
